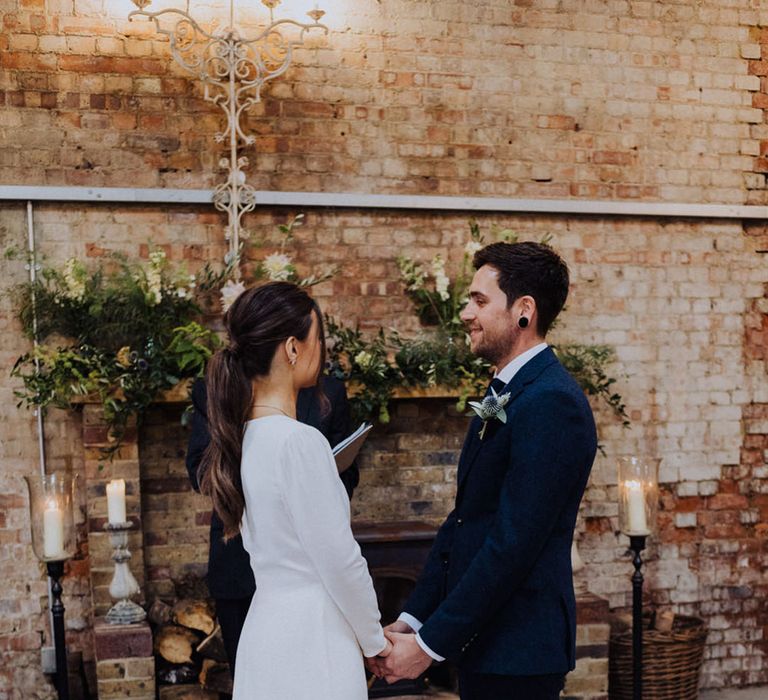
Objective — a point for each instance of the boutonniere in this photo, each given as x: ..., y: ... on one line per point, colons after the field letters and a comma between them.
x: 492, y: 406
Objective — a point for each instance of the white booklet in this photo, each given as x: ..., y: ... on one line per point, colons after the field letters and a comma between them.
x: 346, y: 451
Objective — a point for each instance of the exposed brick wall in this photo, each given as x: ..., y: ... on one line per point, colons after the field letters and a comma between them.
x: 635, y: 100
x: 176, y: 519
x: 757, y: 53
x: 643, y: 100
x: 683, y: 303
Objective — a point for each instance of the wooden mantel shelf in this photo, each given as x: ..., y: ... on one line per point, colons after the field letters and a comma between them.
x: 180, y: 393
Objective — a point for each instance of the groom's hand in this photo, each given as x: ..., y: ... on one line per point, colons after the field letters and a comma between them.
x: 399, y: 626
x: 407, y: 660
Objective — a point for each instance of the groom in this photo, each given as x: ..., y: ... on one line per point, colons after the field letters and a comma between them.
x: 496, y: 595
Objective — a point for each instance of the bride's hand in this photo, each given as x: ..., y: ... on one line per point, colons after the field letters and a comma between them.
x: 374, y: 665
x: 387, y: 650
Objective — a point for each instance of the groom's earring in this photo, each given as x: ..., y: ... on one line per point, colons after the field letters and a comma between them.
x: 523, y: 322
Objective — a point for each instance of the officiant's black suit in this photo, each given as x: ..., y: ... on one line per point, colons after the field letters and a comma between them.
x: 496, y: 595
x: 230, y: 578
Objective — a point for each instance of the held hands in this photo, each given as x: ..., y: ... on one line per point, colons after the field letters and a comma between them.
x: 402, y: 657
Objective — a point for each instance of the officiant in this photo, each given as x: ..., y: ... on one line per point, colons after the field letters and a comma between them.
x: 230, y: 579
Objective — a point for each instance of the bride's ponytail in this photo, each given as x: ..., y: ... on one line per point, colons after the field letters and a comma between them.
x: 229, y: 400
x: 259, y: 320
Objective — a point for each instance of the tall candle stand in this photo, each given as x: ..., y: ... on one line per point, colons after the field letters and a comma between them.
x: 56, y: 571
x: 638, y: 490
x: 637, y: 545
x: 124, y: 584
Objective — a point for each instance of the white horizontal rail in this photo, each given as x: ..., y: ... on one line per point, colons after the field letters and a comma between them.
x: 587, y: 207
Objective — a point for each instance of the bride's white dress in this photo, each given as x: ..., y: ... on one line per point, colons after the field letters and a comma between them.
x: 314, y: 614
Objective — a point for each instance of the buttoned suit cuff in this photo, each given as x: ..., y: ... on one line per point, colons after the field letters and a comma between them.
x: 416, y: 625
x: 427, y: 650
x: 411, y: 621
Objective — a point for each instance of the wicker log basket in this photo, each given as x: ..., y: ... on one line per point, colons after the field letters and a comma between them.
x: 671, y: 661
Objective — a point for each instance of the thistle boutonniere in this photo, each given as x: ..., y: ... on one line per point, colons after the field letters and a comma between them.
x: 492, y: 406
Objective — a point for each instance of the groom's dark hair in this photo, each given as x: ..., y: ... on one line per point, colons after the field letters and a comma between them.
x: 529, y: 269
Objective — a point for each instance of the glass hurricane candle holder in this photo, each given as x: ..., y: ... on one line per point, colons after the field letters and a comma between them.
x: 638, y: 495
x: 52, y: 519
x: 52, y: 522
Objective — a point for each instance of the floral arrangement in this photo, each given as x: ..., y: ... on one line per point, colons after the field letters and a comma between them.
x: 124, y: 333
x: 441, y: 354
x: 277, y: 266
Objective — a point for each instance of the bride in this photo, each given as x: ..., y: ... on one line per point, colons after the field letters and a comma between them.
x: 314, y: 614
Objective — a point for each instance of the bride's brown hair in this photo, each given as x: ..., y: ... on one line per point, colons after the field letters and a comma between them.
x: 259, y: 320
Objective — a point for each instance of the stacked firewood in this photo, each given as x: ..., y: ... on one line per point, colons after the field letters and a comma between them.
x: 191, y: 661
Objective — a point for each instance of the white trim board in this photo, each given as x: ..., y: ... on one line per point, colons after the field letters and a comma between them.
x: 585, y: 207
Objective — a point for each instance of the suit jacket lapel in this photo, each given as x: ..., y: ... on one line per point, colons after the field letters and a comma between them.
x: 527, y: 374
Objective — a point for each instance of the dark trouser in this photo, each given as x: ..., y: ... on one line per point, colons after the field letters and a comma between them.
x: 231, y: 614
x: 489, y: 686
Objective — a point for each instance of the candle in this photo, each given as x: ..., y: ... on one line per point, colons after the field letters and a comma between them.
x: 636, y: 520
x: 53, y: 531
x: 116, y: 501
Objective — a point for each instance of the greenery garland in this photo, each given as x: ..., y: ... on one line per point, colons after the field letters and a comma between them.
x: 126, y: 332
x: 123, y: 333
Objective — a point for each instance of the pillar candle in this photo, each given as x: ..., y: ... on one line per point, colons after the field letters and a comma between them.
x: 636, y: 520
x: 53, y: 531
x: 116, y: 501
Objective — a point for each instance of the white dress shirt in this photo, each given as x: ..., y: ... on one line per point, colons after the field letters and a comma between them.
x: 505, y: 375
x: 515, y: 365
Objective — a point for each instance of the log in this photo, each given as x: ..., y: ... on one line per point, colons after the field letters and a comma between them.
x: 175, y: 643
x: 212, y: 647
x: 216, y: 676
x: 159, y: 612
x: 176, y: 674
x: 195, y: 614
x: 191, y: 585
x: 186, y: 692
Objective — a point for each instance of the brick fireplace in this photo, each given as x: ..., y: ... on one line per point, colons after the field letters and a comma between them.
x: 407, y: 473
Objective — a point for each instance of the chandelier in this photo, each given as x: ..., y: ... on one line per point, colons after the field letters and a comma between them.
x: 233, y: 70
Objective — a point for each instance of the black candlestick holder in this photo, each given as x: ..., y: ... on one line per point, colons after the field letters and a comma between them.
x: 56, y: 571
x: 637, y: 545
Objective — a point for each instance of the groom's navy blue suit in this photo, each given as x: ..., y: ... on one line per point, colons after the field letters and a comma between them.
x: 496, y: 595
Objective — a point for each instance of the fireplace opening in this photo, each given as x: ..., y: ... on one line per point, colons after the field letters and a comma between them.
x: 396, y: 553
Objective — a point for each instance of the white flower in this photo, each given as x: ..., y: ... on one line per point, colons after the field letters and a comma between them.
x: 416, y: 280
x: 157, y: 258
x: 441, y: 279
x: 278, y: 267
x: 363, y: 359
x: 229, y: 292
x: 154, y: 286
x: 492, y: 406
x: 472, y: 247
x: 154, y: 277
x: 441, y: 287
x: 74, y: 278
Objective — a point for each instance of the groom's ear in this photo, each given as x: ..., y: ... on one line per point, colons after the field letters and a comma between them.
x: 524, y: 306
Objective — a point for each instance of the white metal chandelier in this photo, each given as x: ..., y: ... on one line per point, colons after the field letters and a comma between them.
x: 233, y: 70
